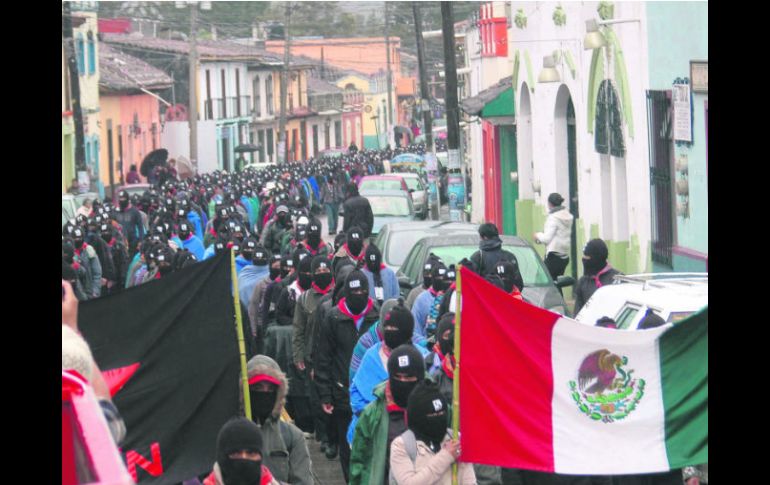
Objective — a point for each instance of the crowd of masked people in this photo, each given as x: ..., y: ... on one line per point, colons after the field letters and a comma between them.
x: 366, y: 373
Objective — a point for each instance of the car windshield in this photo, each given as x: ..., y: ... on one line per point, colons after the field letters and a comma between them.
x: 400, y: 244
x: 413, y: 183
x: 389, y: 206
x: 532, y: 271
x: 380, y: 184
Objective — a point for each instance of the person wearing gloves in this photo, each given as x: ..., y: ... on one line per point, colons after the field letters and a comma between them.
x: 384, y: 418
x: 239, y: 456
x: 424, y: 454
x: 556, y: 235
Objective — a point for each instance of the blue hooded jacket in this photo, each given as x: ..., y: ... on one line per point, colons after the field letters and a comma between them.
x: 389, y: 283
x: 249, y: 210
x: 210, y: 252
x: 195, y: 246
x: 370, y: 373
x: 240, y: 263
x: 248, y: 279
x: 420, y: 311
x: 195, y: 220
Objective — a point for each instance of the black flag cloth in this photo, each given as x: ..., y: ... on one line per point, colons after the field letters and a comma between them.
x: 169, y: 352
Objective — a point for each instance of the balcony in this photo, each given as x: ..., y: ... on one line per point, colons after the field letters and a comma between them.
x: 229, y: 107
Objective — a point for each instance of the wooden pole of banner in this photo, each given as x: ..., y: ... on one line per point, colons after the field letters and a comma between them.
x: 456, y: 380
x: 241, y: 342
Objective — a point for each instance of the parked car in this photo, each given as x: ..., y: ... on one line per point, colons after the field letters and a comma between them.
x: 383, y: 182
x: 539, y: 288
x: 419, y: 191
x: 132, y: 189
x: 389, y: 206
x: 672, y: 296
x: 396, y: 239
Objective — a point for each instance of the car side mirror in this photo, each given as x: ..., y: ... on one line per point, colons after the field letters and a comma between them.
x: 404, y: 282
x: 564, y: 281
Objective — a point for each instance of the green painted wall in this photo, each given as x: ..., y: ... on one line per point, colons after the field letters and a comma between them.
x: 677, y: 34
x: 370, y: 142
x: 510, y: 190
x: 685, y: 264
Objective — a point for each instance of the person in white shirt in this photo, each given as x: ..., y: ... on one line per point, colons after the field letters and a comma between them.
x: 556, y: 235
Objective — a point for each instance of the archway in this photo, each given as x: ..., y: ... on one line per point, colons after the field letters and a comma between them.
x: 565, y: 142
x: 524, y: 135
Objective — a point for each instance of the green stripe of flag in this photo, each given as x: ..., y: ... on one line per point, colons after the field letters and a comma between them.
x: 685, y: 382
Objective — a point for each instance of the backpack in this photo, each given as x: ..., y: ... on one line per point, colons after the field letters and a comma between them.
x: 410, y: 444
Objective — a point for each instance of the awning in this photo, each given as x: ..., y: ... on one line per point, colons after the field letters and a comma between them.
x: 496, y: 101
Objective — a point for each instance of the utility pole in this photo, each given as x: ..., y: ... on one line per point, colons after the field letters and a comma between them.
x: 110, y: 158
x: 427, y: 115
x: 454, y: 157
x: 77, y: 109
x: 193, y: 85
x: 389, y: 118
x: 282, y: 148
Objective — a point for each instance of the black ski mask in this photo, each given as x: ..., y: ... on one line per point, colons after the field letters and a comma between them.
x: 239, y: 434
x: 260, y: 256
x: 427, y: 275
x: 356, y: 292
x: 324, y: 279
x: 598, y: 253
x: 446, y: 333
x: 275, y: 272
x: 406, y: 368
x: 305, y: 277
x: 355, y: 240
x: 440, y: 280
x: 402, y: 322
x: 262, y: 402
x: 427, y: 415
x: 314, y: 235
x: 373, y: 258
x: 286, y: 266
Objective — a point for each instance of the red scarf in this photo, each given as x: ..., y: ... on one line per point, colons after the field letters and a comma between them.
x: 313, y: 252
x: 350, y: 255
x: 78, y: 250
x: 75, y: 265
x: 357, y: 319
x: 433, y: 292
x: 596, y: 278
x: 319, y: 290
x: 437, y: 350
x: 448, y: 366
x: 111, y: 243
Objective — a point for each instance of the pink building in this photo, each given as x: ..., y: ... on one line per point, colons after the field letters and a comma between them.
x: 129, y: 106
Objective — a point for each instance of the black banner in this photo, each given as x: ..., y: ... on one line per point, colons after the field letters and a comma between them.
x: 170, y: 350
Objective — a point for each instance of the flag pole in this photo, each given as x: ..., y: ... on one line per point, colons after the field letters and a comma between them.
x: 241, y: 342
x: 456, y: 380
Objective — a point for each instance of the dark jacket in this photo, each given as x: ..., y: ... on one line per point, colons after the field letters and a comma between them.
x: 337, y: 338
x: 489, y: 254
x: 586, y: 286
x: 120, y: 260
x: 358, y: 212
x: 105, y: 256
x: 131, y: 221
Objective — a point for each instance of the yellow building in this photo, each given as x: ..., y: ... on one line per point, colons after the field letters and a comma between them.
x: 375, y: 107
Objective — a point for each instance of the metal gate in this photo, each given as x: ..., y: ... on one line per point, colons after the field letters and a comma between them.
x: 659, y: 117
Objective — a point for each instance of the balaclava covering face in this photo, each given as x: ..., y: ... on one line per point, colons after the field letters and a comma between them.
x: 373, y: 258
x: 325, y: 279
x: 314, y: 234
x: 598, y: 252
x: 404, y: 361
x: 275, y: 272
x: 427, y: 415
x: 355, y: 240
x: 305, y: 277
x: 440, y: 280
x: 446, y: 333
x: 356, y: 292
x: 236, y: 435
x: 260, y: 256
x: 403, y: 321
x: 427, y: 274
x: 287, y: 264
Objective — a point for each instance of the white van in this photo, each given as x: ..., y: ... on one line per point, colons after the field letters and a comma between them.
x: 672, y: 296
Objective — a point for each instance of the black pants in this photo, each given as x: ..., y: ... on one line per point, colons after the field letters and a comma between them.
x: 322, y: 423
x: 555, y: 264
x: 341, y: 420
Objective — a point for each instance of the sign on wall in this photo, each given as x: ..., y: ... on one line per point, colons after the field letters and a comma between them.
x: 699, y: 74
x: 682, y: 112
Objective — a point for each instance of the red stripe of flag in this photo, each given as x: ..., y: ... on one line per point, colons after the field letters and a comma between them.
x: 506, y: 378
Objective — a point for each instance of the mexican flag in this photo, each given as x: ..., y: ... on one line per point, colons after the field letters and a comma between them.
x: 542, y: 392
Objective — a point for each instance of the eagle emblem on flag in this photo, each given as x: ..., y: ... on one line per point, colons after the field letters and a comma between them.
x: 605, y: 390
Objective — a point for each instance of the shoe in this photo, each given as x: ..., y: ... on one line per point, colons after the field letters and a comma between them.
x: 331, y: 451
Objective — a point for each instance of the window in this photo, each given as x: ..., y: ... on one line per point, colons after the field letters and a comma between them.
x: 257, y: 98
x: 238, y: 91
x: 269, y: 144
x: 338, y: 133
x: 608, y: 135
x: 662, y: 199
x: 315, y: 140
x: 626, y: 316
x: 91, y: 54
x: 327, y: 139
x: 261, y: 144
x: 291, y: 101
x: 80, y: 46
x: 224, y: 95
x: 269, y: 94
